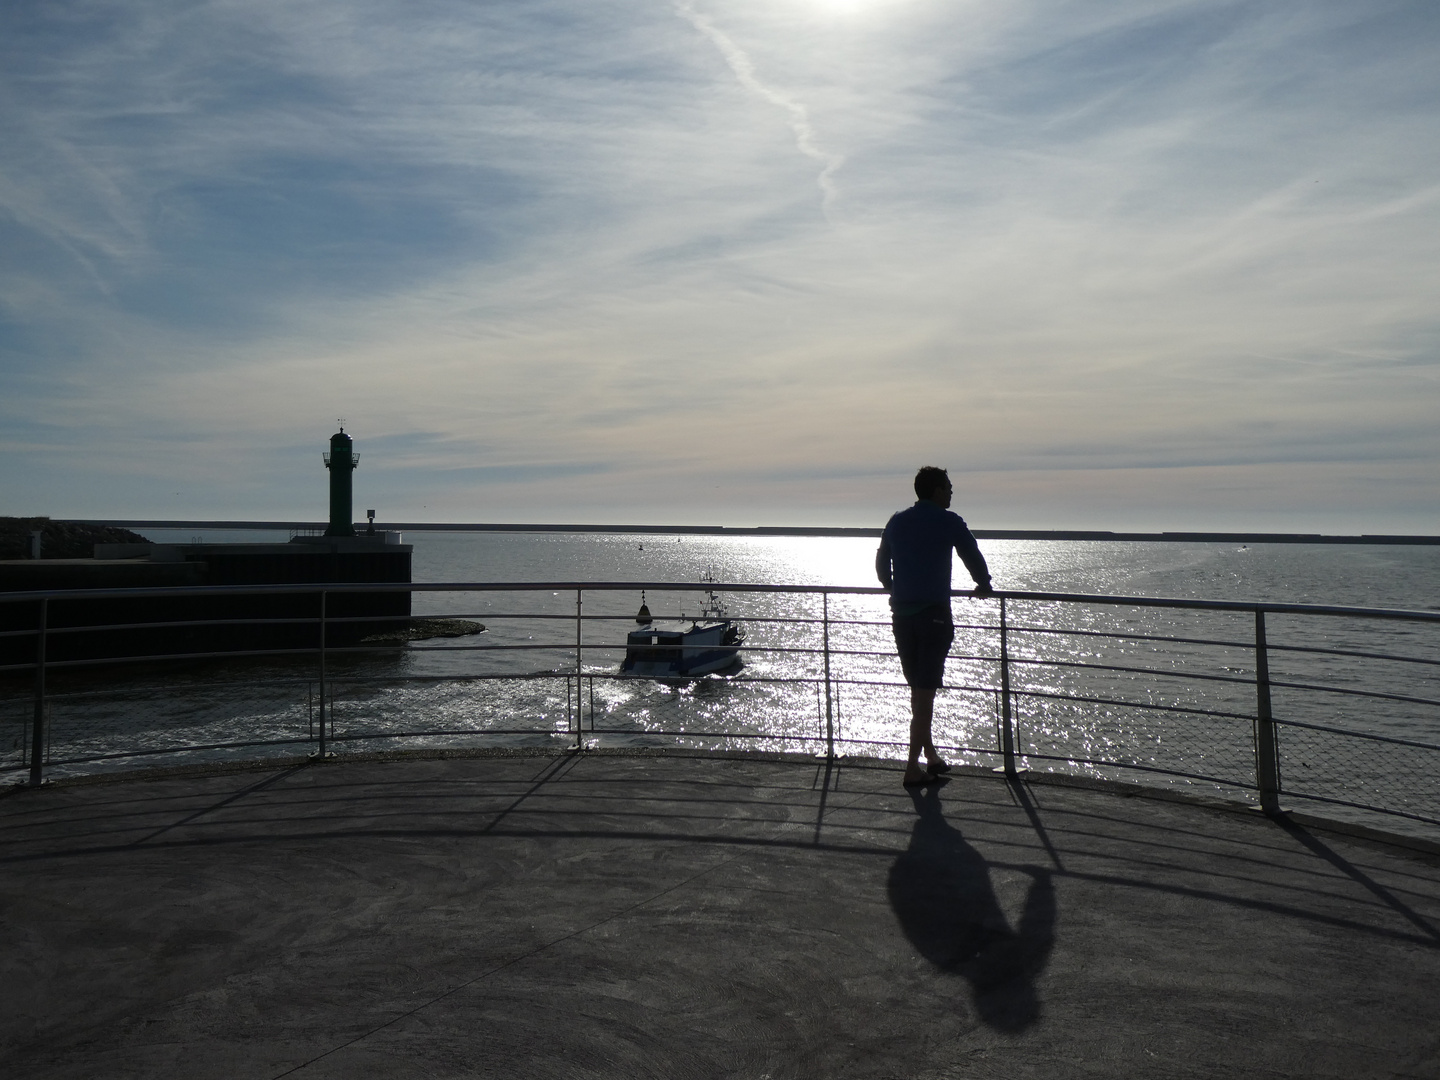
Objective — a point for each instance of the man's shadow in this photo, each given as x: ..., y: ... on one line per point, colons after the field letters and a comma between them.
x: 941, y: 892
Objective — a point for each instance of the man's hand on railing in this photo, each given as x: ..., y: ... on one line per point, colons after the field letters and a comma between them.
x: 982, y: 591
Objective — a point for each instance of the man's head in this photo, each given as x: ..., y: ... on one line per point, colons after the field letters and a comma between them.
x: 933, y: 484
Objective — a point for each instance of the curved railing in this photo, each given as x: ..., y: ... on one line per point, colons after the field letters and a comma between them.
x: 1269, y: 702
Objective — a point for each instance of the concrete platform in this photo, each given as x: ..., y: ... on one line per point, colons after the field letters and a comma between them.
x: 608, y: 915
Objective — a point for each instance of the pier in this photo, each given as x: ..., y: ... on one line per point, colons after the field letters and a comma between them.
x: 673, y: 913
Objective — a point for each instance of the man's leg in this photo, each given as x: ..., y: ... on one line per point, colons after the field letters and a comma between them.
x: 924, y: 643
x: 932, y: 756
x: 922, y: 712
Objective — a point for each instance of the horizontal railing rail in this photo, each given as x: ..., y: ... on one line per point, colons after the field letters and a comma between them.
x: 1121, y: 697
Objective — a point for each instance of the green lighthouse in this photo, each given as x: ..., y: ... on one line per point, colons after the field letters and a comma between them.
x: 341, y: 461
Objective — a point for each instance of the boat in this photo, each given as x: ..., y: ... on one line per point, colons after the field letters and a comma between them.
x: 711, y: 644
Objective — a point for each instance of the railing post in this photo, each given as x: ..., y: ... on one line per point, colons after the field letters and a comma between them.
x: 37, y: 732
x: 579, y: 646
x: 1267, y: 750
x: 1007, y: 729
x: 323, y: 711
x: 829, y: 705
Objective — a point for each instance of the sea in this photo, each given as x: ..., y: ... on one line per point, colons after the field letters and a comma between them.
x: 1128, y: 690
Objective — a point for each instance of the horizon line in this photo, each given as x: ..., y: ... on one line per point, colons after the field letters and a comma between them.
x: 1181, y: 536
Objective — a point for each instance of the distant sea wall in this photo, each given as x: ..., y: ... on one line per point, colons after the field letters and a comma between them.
x: 797, y: 530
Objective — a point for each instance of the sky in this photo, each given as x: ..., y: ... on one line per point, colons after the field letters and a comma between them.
x: 1151, y: 265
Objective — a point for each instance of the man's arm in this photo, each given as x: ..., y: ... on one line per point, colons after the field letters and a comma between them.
x: 882, y: 563
x: 969, y: 552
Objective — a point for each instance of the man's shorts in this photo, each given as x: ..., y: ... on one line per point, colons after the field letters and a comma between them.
x: 923, y: 641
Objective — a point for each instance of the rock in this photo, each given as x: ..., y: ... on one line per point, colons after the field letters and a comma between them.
x: 425, y: 629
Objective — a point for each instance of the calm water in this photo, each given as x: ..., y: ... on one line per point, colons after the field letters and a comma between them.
x: 418, y: 689
x: 1358, y: 575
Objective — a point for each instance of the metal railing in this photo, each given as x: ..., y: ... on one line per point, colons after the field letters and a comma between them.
x: 1149, y: 689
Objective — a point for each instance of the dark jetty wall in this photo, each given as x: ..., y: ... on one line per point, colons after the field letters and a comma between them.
x: 130, y: 626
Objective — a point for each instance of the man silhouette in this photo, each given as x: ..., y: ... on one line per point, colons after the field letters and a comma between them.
x: 913, y: 564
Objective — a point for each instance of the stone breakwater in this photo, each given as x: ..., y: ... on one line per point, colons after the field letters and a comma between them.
x: 59, y: 539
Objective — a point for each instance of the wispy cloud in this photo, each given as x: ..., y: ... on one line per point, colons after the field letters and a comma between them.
x: 797, y: 116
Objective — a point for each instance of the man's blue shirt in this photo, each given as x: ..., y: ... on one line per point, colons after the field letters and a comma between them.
x: 914, y: 557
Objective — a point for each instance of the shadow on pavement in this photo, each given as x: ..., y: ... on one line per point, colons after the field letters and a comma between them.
x: 942, y: 894
x: 1315, y: 845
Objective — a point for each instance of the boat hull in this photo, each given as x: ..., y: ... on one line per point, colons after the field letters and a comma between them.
x: 701, y: 650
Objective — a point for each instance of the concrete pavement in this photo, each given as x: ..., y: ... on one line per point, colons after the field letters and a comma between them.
x: 694, y: 915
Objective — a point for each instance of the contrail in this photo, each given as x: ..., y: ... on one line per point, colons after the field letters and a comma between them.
x: 799, y: 117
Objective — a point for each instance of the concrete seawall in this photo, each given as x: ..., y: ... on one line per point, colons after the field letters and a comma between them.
x: 206, y: 624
